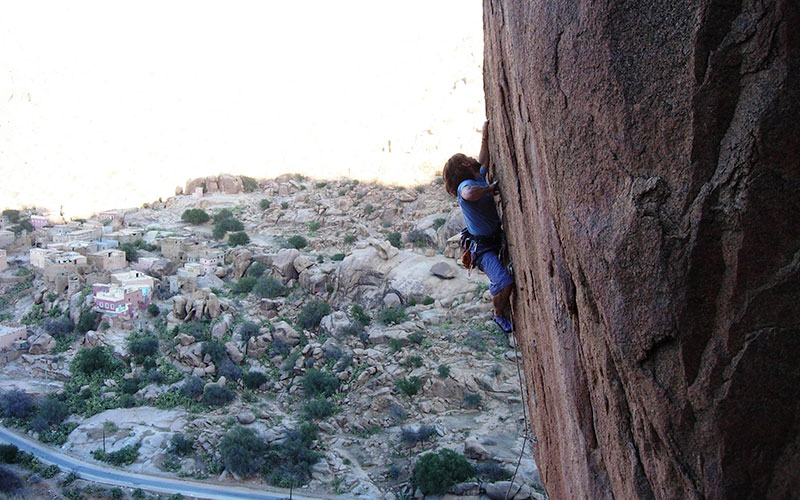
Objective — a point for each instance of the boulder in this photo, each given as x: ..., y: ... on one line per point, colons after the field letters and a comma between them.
x: 213, y: 306
x: 233, y: 352
x: 283, y: 262
x: 475, y: 451
x: 246, y: 417
x: 385, y: 249
x: 240, y: 258
x: 334, y: 323
x: 503, y: 490
x: 230, y: 184
x: 179, y: 307
x: 284, y: 332
x: 42, y: 343
x: 443, y: 270
x: 184, y: 339
x: 647, y: 159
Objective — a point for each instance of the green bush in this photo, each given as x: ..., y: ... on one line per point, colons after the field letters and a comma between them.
x: 97, y: 360
x: 472, y: 400
x: 16, y: 404
x: 491, y: 472
x: 318, y: 383
x: 8, y: 453
x: 313, y: 226
x: 411, y: 436
x: 87, y: 321
x: 193, y: 387
x: 50, y: 471
x: 131, y: 252
x: 297, y: 242
x: 312, y: 313
x: 179, y: 445
x: 417, y: 238
x: 248, y: 329
x: 318, y: 409
x: 141, y: 347
x: 153, y: 310
x: 394, y: 239
x: 225, y: 222
x: 242, y: 451
x: 392, y: 315
x: 238, y: 239
x: 123, y: 456
x: 264, y: 204
x: 195, y: 216
x: 416, y: 337
x: 290, y: 462
x: 428, y: 300
x: 396, y: 345
x: 217, y: 395
x: 216, y: 350
x: 349, y: 239
x: 284, y: 205
x: 436, y: 473
x: 58, y: 327
x: 52, y: 411
x: 408, y: 386
x: 438, y: 223
x: 254, y: 379
x: 415, y: 361
x: 244, y: 285
x: 338, y: 257
x: 249, y: 184
x: 12, y: 215
x: 269, y: 287
x: 10, y: 483
x: 359, y: 315
x: 444, y: 371
x: 256, y: 269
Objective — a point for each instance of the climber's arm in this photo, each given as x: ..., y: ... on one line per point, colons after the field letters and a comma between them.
x: 473, y: 193
x: 483, y: 157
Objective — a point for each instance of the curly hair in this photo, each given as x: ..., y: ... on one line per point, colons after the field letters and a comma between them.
x: 458, y: 168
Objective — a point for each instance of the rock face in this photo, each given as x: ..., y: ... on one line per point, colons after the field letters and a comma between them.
x: 648, y: 158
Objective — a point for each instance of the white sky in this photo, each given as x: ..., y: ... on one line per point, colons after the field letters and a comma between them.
x: 108, y: 105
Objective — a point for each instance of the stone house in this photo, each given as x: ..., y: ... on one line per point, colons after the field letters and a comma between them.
x: 6, y: 238
x: 208, y: 258
x: 108, y: 260
x: 180, y: 249
x: 12, y: 339
x: 62, y: 263
x: 126, y: 235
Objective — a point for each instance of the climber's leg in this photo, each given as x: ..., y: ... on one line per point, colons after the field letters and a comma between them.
x: 500, y: 288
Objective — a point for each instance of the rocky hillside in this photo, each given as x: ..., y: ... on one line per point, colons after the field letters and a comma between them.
x: 339, y: 332
x: 648, y: 154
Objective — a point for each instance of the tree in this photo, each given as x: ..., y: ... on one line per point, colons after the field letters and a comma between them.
x: 312, y: 313
x: 217, y: 395
x: 256, y: 269
x: 179, y: 445
x: 242, y: 451
x: 195, y: 216
x: 93, y: 361
x: 16, y: 404
x: 153, y: 310
x: 12, y: 215
x: 131, y: 252
x: 52, y: 411
x: 87, y: 321
x: 216, y: 350
x: 436, y: 473
x: 141, y: 347
x: 244, y: 285
x: 238, y: 239
x: 408, y: 386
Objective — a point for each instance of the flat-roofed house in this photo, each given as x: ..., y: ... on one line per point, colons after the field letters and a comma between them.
x: 37, y: 256
x: 39, y: 221
x: 6, y: 238
x: 108, y: 260
x: 11, y: 338
x: 66, y: 263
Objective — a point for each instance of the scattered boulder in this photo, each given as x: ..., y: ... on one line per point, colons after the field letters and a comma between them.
x: 283, y: 262
x: 443, y: 270
x: 284, y: 332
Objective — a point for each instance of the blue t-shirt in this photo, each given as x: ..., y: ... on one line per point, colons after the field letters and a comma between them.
x: 480, y: 215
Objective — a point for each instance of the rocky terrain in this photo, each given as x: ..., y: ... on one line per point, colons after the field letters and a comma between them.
x: 329, y: 296
x: 652, y: 152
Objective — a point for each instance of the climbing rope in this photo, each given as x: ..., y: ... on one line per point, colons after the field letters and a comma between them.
x: 524, y: 410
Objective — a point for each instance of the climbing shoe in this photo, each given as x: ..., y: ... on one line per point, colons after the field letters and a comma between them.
x: 504, y: 324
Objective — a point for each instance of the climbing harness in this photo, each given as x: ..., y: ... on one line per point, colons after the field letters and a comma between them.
x: 471, y: 244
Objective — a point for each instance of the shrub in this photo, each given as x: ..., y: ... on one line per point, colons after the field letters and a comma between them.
x: 437, y: 223
x: 256, y: 269
x: 216, y: 350
x: 193, y: 387
x: 349, y: 239
x: 217, y: 395
x: 51, y: 412
x: 475, y: 340
x: 123, y: 456
x: 496, y: 370
x: 290, y: 462
x: 269, y: 287
x: 397, y: 412
x: 392, y: 315
x: 396, y: 345
x: 10, y: 483
x: 242, y: 451
x: 244, y: 285
x: 130, y: 385
x: 229, y: 370
x: 492, y: 472
x: 394, y: 239
x: 249, y: 184
x: 417, y: 238
x: 313, y: 226
x: 444, y: 371
x: 436, y: 473
x: 58, y: 327
x: 50, y: 471
x: 131, y: 252
x: 254, y: 379
x: 225, y: 222
x: 179, y: 445
x: 319, y: 383
x: 359, y: 315
x: 87, y: 321
x: 410, y: 436
x: 338, y: 257
x: 141, y: 347
x: 248, y: 329
x: 264, y: 204
x: 8, y: 453
x: 318, y: 409
x: 297, y: 242
x: 195, y: 216
x: 284, y: 205
x: 428, y: 300
x: 93, y: 361
x: 368, y: 208
x: 472, y: 400
x: 415, y: 361
x: 153, y: 310
x: 312, y: 313
x: 238, y: 239
x: 416, y: 337
x: 12, y: 215
x: 354, y: 329
x: 408, y: 386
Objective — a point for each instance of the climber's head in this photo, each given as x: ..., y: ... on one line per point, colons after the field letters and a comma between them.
x: 458, y: 169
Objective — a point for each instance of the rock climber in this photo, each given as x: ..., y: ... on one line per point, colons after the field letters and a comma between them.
x: 482, y: 239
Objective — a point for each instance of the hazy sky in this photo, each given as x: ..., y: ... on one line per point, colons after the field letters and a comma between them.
x: 111, y: 103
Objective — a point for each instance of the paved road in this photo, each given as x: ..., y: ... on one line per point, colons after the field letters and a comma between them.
x: 116, y: 477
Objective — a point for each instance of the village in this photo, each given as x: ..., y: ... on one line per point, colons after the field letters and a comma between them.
x: 247, y: 290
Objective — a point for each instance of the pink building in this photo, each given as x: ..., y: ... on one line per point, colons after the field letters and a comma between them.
x: 116, y: 300
x: 39, y: 221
